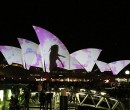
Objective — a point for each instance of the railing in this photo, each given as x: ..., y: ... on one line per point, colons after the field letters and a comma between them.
x: 103, y: 102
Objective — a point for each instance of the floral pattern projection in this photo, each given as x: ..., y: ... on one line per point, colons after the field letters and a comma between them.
x: 51, y: 46
x: 12, y: 54
x: 51, y: 53
x: 117, y: 66
x: 103, y: 66
x: 74, y: 64
x: 87, y: 57
x: 31, y: 53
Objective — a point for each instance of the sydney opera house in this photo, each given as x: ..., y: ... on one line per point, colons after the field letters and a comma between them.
x: 52, y: 55
x: 52, y: 63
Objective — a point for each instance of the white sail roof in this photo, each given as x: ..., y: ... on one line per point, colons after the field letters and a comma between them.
x: 12, y: 54
x: 47, y: 41
x: 31, y: 53
x: 117, y: 66
x: 86, y: 57
x: 103, y: 66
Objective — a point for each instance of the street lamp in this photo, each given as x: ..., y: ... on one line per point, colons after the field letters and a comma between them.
x: 127, y: 72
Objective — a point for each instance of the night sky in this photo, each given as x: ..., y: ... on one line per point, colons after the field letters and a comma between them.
x: 77, y: 23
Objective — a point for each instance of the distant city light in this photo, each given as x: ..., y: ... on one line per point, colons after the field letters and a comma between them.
x: 103, y: 93
x: 106, y: 81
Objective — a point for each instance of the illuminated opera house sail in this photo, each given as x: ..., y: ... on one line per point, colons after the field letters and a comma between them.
x: 51, y: 53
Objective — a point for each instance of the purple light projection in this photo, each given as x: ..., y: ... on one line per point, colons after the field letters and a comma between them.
x: 117, y: 66
x: 52, y: 49
x: 47, y: 42
x: 12, y: 54
x: 86, y: 57
x: 74, y: 64
x: 103, y: 66
x: 31, y: 53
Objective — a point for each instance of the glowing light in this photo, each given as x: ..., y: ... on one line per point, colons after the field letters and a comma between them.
x: 1, y: 95
x: 121, y: 79
x: 93, y: 91
x: 103, y: 93
x: 9, y: 94
x: 127, y: 72
x: 61, y: 89
x: 82, y: 90
x: 40, y: 79
x: 106, y: 81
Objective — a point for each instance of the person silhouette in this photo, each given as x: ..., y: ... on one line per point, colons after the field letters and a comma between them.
x: 27, y: 97
x: 42, y: 99
x: 49, y: 100
x: 54, y: 56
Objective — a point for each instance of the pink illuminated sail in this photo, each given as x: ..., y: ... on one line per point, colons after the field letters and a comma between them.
x: 12, y: 54
x: 54, y: 52
x: 86, y: 57
x: 31, y: 53
x: 74, y: 64
x: 103, y: 66
x: 117, y: 66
